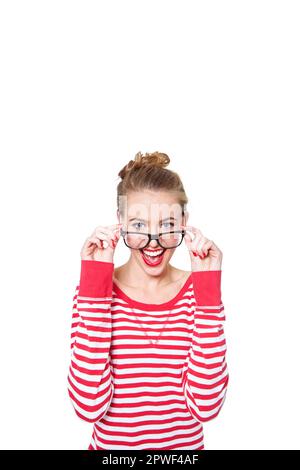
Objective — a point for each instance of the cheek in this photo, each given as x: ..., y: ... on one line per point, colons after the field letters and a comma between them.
x: 169, y: 253
x: 136, y: 253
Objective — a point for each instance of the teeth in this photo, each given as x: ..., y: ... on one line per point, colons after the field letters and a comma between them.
x: 155, y: 253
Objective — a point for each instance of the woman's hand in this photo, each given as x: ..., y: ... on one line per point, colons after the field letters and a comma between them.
x: 100, y: 246
x: 204, y: 253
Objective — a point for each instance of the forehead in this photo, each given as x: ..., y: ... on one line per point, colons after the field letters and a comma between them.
x: 150, y: 205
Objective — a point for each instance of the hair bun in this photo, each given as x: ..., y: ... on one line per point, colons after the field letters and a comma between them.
x: 158, y: 159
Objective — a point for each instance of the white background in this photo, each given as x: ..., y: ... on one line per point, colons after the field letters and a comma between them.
x: 85, y: 85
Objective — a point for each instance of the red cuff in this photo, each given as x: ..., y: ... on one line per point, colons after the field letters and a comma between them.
x: 96, y: 278
x: 207, y: 287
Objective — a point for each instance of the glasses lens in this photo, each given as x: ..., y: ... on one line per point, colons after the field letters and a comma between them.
x: 170, y: 240
x: 136, y: 240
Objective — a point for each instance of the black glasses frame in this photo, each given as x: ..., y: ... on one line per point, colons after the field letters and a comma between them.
x: 153, y: 237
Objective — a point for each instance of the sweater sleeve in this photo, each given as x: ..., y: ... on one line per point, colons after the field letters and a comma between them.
x: 205, y: 374
x: 90, y: 383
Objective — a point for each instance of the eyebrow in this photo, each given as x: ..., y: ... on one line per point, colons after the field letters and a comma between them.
x: 143, y: 220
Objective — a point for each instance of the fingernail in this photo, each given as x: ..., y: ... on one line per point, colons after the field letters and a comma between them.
x: 194, y: 253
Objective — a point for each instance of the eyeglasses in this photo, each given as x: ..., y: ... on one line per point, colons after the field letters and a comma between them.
x: 138, y: 240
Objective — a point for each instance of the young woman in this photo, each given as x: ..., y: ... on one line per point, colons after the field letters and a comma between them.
x: 148, y: 349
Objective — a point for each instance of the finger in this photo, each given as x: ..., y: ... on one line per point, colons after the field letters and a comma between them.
x: 99, y: 230
x: 107, y: 238
x: 115, y: 236
x: 197, y: 236
x: 198, y: 242
x: 103, y: 233
x: 115, y: 226
x: 93, y: 240
x: 188, y: 240
x: 191, y: 229
x: 206, y: 247
x: 117, y: 231
x: 108, y: 229
x: 197, y: 245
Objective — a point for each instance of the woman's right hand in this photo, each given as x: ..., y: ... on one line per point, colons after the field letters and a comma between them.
x: 100, y: 246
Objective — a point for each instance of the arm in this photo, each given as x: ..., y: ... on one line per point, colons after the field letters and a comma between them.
x: 205, y: 374
x: 90, y: 384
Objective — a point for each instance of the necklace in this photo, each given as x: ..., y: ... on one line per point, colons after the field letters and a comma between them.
x: 167, y: 284
x: 145, y: 327
x: 140, y: 305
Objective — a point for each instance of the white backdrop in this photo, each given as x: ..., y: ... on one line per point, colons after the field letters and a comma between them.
x: 84, y: 87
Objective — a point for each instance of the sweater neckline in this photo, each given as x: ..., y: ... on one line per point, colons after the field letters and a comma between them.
x: 149, y: 306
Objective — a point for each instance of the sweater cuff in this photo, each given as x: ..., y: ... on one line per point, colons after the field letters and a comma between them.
x: 207, y: 287
x: 96, y: 278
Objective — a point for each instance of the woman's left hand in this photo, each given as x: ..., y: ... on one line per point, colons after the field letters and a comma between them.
x: 204, y: 253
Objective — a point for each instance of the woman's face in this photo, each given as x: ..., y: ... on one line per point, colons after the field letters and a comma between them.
x: 151, y: 212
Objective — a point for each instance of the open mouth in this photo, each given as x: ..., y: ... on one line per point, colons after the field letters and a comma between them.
x: 152, y: 257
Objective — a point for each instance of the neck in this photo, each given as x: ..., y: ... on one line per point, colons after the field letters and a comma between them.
x: 137, y: 277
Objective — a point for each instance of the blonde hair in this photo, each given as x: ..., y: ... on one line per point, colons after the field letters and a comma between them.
x: 149, y: 171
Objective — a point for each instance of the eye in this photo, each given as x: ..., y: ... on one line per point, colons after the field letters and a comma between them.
x: 170, y: 224
x: 139, y: 225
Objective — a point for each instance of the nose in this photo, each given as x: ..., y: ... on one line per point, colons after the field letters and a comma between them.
x: 153, y: 244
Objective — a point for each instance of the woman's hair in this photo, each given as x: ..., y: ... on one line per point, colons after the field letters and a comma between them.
x: 148, y: 172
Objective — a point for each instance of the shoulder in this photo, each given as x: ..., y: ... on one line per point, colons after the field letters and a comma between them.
x: 116, y: 273
x: 183, y: 275
x: 180, y: 277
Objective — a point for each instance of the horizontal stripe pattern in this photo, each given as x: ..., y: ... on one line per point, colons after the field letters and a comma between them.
x: 146, y: 378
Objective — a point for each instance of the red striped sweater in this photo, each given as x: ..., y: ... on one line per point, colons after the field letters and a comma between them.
x: 147, y: 375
